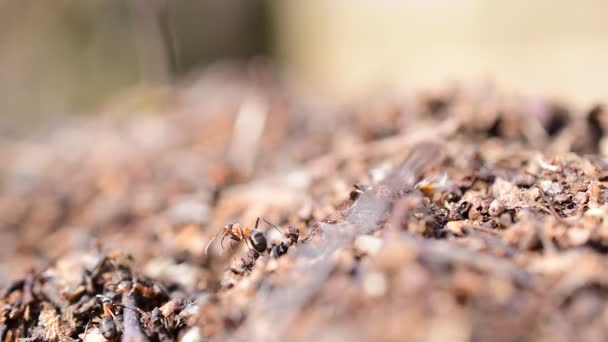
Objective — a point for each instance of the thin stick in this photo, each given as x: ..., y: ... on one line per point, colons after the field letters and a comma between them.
x: 28, y: 286
x: 132, y: 330
x: 86, y: 328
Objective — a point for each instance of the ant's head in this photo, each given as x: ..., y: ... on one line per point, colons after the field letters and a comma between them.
x: 105, y: 299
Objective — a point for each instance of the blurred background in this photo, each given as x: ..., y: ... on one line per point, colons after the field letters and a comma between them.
x: 65, y: 58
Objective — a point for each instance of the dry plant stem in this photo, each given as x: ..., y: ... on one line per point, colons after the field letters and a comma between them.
x: 132, y: 330
x: 28, y: 296
x: 384, y: 146
x: 247, y: 132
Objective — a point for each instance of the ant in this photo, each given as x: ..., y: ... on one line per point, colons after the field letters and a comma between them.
x: 254, y: 236
x: 150, y: 290
x: 107, y: 327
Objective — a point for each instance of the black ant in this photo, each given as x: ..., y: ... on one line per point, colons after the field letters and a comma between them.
x: 254, y: 236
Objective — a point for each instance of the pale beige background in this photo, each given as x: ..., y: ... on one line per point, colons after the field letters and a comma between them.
x: 65, y: 57
x: 537, y: 47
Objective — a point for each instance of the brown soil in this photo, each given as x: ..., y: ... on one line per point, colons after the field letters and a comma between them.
x: 453, y: 215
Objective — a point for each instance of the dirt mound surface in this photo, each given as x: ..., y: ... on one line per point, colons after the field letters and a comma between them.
x: 455, y: 215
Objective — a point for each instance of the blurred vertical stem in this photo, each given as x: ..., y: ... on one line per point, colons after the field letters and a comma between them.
x: 149, y: 40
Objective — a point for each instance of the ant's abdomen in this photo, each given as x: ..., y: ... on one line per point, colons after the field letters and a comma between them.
x: 258, y: 241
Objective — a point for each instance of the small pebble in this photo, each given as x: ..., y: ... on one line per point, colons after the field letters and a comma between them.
x: 496, y: 208
x: 581, y: 198
x: 455, y: 227
x: 505, y: 220
x: 367, y: 244
x: 189, y: 211
x: 473, y: 214
x: 551, y: 188
x: 463, y: 208
x: 192, y: 335
x: 374, y: 284
x: 305, y: 212
x: 596, y: 212
x: 299, y: 179
x: 561, y: 198
x: 534, y: 193
x: 578, y: 237
x: 594, y: 192
x: 547, y: 166
x: 524, y: 181
x: 394, y: 254
x: 272, y: 265
x: 379, y: 173
x: 93, y: 335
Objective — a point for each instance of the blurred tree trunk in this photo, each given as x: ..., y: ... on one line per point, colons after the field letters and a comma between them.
x: 150, y: 43
x: 63, y: 56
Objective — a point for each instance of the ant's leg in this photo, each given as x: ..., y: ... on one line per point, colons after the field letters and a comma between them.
x: 247, y: 244
x: 247, y: 237
x: 222, y: 244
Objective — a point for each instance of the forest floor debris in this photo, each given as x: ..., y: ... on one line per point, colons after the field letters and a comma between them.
x: 460, y: 215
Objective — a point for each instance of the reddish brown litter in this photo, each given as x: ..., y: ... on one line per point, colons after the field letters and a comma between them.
x: 456, y: 215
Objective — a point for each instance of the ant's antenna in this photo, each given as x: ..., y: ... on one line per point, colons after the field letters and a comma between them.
x: 211, y: 241
x: 134, y: 308
x: 102, y: 297
x: 272, y: 225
